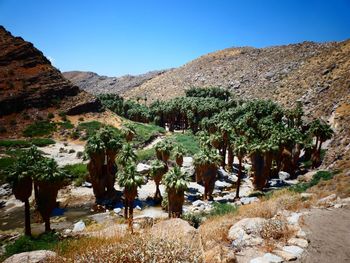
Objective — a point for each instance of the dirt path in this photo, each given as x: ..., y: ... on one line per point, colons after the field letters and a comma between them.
x: 154, y: 142
x: 329, y: 233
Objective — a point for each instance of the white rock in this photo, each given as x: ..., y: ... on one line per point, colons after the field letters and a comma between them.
x: 327, y: 199
x: 246, y: 232
x: 86, y: 184
x: 300, y: 242
x: 283, y: 175
x: 117, y: 210
x: 138, y: 207
x: 79, y: 226
x: 294, y: 218
x: 285, y: 255
x: 294, y: 250
x: 198, y: 203
x: 249, y: 200
x: 221, y: 185
x: 31, y: 257
x: 143, y: 168
x: 301, y: 234
x: 306, y: 195
x: 267, y: 258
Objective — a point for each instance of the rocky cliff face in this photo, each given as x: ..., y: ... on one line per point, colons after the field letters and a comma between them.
x: 96, y: 84
x: 28, y: 80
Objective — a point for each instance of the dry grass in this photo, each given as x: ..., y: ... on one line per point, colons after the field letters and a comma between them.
x: 141, y: 247
x: 214, y: 231
x: 339, y: 184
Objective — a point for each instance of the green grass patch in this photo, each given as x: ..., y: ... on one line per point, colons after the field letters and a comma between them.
x: 15, y: 143
x: 90, y: 127
x: 187, y: 141
x: 220, y: 209
x: 319, y: 176
x: 26, y: 143
x: 40, y: 142
x: 145, y: 132
x: 47, y: 241
x: 77, y: 172
x: 39, y: 128
x: 146, y: 155
x: 66, y: 125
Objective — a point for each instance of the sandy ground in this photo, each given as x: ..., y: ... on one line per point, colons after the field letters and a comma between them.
x: 329, y: 233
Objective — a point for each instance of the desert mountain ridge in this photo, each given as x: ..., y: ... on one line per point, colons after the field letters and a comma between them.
x: 316, y: 74
x: 28, y: 80
x: 95, y: 84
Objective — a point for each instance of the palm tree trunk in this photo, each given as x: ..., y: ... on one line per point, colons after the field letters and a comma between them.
x: 27, y: 218
x: 47, y: 224
x: 230, y: 157
x: 239, y: 176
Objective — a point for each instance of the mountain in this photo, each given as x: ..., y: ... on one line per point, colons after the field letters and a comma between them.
x: 317, y: 74
x: 29, y: 81
x: 96, y: 84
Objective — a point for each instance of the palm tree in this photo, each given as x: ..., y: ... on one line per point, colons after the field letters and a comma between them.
x: 128, y: 132
x: 206, y: 163
x: 126, y: 155
x: 163, y: 150
x: 176, y: 183
x: 49, y: 179
x: 240, y: 149
x: 159, y: 168
x: 130, y: 179
x: 95, y: 150
x: 179, y: 154
x: 323, y: 132
x: 102, y: 149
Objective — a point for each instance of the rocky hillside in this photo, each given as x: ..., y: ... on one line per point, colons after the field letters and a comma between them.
x: 96, y: 84
x: 316, y: 74
x: 28, y: 80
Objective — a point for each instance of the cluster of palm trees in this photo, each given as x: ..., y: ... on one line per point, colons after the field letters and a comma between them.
x: 271, y: 137
x: 32, y: 170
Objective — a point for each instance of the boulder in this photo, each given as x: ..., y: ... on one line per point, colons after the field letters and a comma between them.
x: 225, y: 176
x: 294, y: 250
x: 285, y: 255
x: 283, y: 175
x: 143, y: 168
x: 300, y: 242
x: 249, y: 200
x: 79, y: 226
x: 267, y: 258
x: 5, y: 190
x: 293, y: 219
x: 220, y: 185
x: 246, y: 232
x: 36, y: 256
x: 187, y: 166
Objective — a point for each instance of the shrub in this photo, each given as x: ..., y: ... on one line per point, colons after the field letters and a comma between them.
x: 24, y: 243
x: 77, y: 172
x: 50, y: 115
x: 220, y: 209
x: 320, y: 175
x: 40, y: 142
x: 195, y: 219
x: 26, y: 143
x: 39, y: 128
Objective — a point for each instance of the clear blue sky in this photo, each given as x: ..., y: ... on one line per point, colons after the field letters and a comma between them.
x: 120, y: 37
